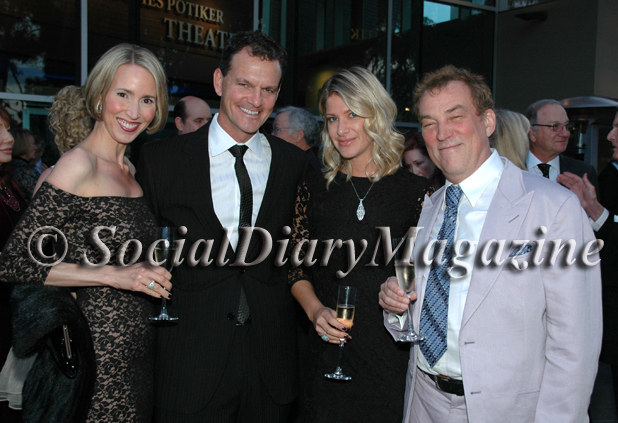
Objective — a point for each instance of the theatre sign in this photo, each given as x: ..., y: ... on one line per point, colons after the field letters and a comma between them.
x: 201, y: 25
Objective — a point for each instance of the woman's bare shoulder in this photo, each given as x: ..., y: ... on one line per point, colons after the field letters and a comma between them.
x: 73, y: 171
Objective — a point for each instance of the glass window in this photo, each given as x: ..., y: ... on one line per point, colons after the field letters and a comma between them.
x: 336, y: 34
x: 39, y: 46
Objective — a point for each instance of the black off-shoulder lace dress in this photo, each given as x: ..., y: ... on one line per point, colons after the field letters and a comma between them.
x: 122, y: 335
x: 375, y: 361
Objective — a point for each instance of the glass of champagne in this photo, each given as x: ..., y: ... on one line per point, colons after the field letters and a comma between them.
x: 345, y: 314
x: 165, y: 254
x: 404, y: 269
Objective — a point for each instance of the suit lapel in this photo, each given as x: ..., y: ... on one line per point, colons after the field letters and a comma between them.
x: 197, y: 173
x: 505, y: 217
x: 272, y: 192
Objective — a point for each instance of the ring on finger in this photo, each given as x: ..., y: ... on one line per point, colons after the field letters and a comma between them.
x: 325, y: 338
x: 151, y: 285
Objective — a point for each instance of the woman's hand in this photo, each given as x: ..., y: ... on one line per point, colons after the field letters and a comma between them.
x: 325, y: 323
x: 138, y: 277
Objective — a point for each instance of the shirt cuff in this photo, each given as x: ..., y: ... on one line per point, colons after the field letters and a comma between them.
x: 596, y: 225
x: 397, y: 320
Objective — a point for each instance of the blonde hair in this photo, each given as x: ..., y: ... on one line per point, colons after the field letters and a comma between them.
x: 102, y: 75
x: 511, y: 137
x: 365, y: 96
x: 68, y: 118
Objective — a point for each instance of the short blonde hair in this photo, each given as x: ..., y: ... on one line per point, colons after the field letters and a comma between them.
x: 365, y: 96
x: 511, y: 137
x: 102, y: 75
x: 68, y: 118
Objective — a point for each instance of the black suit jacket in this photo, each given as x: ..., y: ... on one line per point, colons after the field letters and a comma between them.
x: 568, y: 164
x: 608, y: 181
x: 192, y: 354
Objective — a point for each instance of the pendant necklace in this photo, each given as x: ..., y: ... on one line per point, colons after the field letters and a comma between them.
x: 360, y: 210
x: 9, y: 199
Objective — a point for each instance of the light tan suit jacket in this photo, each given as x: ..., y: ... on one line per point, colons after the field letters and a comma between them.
x: 530, y: 339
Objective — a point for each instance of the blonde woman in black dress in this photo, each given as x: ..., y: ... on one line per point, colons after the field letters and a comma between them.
x: 363, y: 187
x: 93, y: 185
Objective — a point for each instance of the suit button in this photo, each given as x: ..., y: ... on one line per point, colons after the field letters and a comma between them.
x: 242, y: 271
x: 231, y: 316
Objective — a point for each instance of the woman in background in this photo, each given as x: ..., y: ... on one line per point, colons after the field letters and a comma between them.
x: 93, y: 185
x: 22, y: 166
x: 416, y: 158
x: 511, y: 137
x: 12, y: 206
x: 363, y: 187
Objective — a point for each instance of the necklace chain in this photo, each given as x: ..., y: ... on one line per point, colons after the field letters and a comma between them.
x: 360, y: 210
x: 9, y: 199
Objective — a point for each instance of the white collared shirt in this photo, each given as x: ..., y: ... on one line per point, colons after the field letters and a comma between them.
x: 532, y: 163
x: 478, y: 192
x: 224, y: 185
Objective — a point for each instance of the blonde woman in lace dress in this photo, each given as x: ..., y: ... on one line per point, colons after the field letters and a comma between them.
x: 93, y: 185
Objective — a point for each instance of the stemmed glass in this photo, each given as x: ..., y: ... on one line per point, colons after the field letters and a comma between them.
x: 404, y: 269
x: 345, y: 314
x: 165, y: 250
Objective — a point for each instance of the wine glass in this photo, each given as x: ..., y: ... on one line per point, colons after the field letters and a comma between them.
x: 404, y: 269
x: 345, y: 314
x: 165, y: 250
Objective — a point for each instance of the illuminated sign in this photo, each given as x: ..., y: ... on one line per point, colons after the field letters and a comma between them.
x: 192, y: 32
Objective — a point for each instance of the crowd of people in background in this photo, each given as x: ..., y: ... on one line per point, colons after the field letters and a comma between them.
x: 497, y: 344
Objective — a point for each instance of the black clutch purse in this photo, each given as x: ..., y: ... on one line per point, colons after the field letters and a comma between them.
x: 61, y: 347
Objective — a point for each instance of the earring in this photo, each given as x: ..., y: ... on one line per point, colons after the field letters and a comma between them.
x: 99, y: 107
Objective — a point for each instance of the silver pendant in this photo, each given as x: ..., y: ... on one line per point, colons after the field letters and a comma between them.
x: 360, y: 211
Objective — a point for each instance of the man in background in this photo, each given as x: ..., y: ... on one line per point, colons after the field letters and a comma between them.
x: 191, y: 113
x: 299, y: 128
x: 549, y: 136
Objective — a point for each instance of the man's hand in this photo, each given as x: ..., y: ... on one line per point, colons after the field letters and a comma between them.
x: 585, y: 191
x: 393, y: 299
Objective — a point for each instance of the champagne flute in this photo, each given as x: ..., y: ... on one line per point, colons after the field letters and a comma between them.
x: 165, y: 250
x: 345, y: 314
x: 404, y: 269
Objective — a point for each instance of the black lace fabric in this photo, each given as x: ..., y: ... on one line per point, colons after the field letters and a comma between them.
x: 375, y: 361
x: 122, y: 335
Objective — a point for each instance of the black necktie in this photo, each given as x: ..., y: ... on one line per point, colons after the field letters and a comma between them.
x: 545, y: 169
x: 246, y: 211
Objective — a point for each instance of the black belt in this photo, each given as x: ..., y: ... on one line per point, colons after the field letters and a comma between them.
x: 446, y: 384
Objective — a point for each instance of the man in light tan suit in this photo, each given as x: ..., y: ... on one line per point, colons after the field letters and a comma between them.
x: 501, y: 344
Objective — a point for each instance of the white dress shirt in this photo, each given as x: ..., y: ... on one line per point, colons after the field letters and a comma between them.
x: 478, y: 191
x: 532, y: 163
x: 224, y: 185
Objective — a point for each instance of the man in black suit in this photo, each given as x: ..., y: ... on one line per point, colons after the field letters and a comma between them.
x: 605, y: 215
x: 232, y: 355
x: 549, y: 136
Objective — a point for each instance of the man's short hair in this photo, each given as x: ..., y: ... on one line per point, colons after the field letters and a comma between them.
x: 532, y: 111
x: 300, y: 119
x: 180, y: 110
x: 437, y: 80
x: 261, y: 45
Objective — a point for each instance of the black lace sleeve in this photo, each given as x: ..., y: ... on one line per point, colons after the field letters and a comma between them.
x: 300, y: 231
x: 20, y: 262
